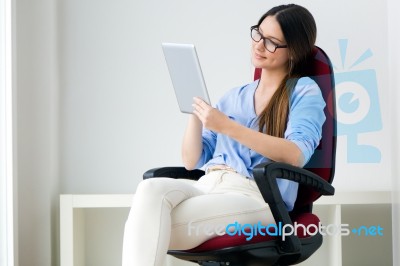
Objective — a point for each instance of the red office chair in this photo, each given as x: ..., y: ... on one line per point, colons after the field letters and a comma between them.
x: 314, y: 180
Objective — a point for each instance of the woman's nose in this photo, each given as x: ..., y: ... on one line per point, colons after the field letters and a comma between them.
x: 260, y: 46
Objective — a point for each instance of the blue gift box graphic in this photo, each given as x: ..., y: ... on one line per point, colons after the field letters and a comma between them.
x: 358, y: 108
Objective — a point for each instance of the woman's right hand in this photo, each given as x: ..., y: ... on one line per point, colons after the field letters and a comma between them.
x: 210, y: 117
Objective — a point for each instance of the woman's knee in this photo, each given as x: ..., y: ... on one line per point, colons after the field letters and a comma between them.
x: 161, y: 186
x: 151, y: 186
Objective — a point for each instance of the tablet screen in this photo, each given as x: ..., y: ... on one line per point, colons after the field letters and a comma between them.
x: 186, y: 75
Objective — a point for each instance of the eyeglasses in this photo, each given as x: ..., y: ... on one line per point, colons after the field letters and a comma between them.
x: 268, y: 43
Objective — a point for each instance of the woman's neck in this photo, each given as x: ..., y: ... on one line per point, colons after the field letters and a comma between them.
x: 270, y: 80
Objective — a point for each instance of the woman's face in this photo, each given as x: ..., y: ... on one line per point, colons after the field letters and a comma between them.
x: 261, y: 57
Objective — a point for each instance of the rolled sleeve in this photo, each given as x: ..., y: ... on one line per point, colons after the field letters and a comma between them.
x: 306, y: 117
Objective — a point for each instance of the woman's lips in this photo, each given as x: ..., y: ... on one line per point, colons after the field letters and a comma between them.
x: 257, y: 56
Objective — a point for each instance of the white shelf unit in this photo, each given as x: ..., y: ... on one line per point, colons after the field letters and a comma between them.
x: 73, y: 220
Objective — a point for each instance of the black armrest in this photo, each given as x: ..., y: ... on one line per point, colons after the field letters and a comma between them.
x: 173, y: 172
x: 265, y: 175
x: 296, y: 174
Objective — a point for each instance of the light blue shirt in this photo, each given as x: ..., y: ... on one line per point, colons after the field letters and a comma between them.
x: 306, y: 117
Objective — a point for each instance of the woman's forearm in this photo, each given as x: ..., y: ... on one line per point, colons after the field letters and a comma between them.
x: 274, y: 148
x: 192, y: 144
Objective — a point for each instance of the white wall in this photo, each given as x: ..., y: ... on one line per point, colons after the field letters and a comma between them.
x: 37, y: 131
x: 394, y: 55
x: 119, y: 116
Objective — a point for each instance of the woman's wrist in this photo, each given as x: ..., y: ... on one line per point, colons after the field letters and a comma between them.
x: 230, y: 128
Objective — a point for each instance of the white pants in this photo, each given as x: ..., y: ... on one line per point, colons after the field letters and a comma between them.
x: 180, y: 214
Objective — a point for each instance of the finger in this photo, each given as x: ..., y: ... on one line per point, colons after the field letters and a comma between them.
x: 200, y: 102
x: 197, y: 107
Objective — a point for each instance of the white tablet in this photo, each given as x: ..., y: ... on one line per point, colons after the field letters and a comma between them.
x: 185, y: 72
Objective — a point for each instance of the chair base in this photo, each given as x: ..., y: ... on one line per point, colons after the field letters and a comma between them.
x: 259, y: 254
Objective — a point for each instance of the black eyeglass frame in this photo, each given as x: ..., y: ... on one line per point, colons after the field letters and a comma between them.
x: 256, y: 28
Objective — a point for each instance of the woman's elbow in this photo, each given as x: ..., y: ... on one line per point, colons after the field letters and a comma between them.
x: 299, y: 162
x: 189, y: 166
x: 297, y: 158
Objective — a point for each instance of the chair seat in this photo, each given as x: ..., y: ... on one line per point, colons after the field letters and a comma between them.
x: 226, y: 241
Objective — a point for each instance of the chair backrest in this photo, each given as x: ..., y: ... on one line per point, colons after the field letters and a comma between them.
x: 322, y: 161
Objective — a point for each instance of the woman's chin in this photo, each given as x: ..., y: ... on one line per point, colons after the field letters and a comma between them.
x: 257, y: 64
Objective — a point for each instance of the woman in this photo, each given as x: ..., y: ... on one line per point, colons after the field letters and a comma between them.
x: 278, y: 118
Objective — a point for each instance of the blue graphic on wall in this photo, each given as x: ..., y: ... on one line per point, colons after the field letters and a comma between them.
x: 358, y: 108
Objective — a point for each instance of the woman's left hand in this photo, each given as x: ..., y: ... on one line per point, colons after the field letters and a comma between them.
x: 211, y: 118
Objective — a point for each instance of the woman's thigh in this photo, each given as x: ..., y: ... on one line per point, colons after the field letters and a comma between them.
x: 203, y: 217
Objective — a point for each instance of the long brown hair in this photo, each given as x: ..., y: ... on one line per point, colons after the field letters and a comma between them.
x: 300, y: 32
